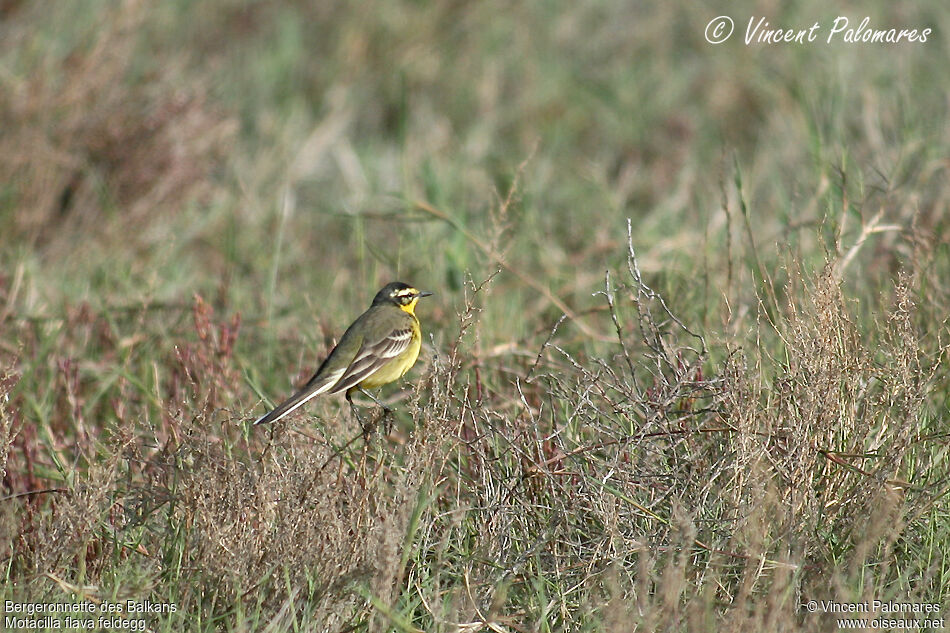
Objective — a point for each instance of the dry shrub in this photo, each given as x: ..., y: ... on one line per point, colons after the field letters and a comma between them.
x: 576, y: 483
x: 824, y: 449
x: 84, y: 137
x: 669, y: 490
x: 846, y: 416
x: 296, y: 531
x: 65, y: 532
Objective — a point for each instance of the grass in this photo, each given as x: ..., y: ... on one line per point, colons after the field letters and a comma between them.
x: 686, y: 367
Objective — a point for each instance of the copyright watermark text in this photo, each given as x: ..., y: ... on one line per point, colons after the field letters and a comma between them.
x: 760, y: 31
x: 880, y: 615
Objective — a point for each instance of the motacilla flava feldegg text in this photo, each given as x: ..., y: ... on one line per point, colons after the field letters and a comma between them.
x: 378, y: 348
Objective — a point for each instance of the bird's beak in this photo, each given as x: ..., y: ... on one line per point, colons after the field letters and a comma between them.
x: 425, y: 293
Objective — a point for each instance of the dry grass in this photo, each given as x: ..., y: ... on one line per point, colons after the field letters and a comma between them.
x: 83, y: 146
x: 747, y: 412
x: 656, y: 485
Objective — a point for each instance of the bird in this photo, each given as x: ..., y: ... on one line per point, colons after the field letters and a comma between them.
x: 380, y: 346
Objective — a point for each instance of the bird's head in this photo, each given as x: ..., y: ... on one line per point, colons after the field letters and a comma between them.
x: 400, y: 294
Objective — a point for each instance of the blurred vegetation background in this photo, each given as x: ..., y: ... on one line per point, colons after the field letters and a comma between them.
x: 196, y: 199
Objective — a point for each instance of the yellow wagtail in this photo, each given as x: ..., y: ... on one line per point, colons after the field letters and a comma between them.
x: 378, y: 348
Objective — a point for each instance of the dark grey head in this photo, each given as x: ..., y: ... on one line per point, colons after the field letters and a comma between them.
x: 400, y: 294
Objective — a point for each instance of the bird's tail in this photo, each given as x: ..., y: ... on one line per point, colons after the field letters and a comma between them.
x: 293, y: 402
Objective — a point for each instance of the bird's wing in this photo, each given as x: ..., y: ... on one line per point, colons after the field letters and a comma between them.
x: 372, y: 356
x: 338, y: 373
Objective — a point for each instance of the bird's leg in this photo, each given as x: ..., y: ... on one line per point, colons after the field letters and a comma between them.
x: 356, y: 413
x: 373, y: 398
x: 387, y: 412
